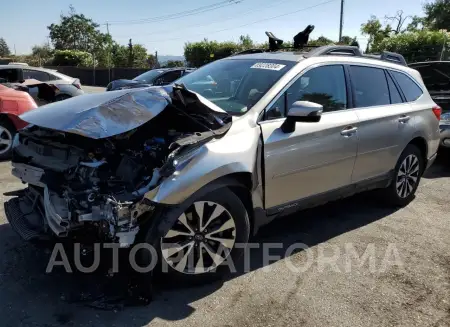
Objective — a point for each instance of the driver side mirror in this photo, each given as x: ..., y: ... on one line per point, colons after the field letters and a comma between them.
x: 302, y: 111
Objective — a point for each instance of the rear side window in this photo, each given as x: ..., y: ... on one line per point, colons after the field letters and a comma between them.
x: 393, y: 91
x: 35, y: 74
x: 370, y: 86
x: 410, y: 89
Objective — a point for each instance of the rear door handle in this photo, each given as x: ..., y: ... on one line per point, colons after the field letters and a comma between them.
x: 403, y: 119
x: 349, y: 131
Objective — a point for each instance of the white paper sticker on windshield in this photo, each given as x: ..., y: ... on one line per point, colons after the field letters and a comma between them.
x: 266, y: 65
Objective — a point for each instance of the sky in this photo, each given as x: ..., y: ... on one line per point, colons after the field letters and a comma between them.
x: 23, y: 23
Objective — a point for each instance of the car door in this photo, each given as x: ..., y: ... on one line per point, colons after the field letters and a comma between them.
x: 385, y: 126
x: 316, y: 157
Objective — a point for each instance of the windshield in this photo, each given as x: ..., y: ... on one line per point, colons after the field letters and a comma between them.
x: 149, y: 77
x: 236, y: 85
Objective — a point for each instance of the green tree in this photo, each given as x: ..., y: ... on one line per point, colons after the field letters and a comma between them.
x: 140, y: 56
x: 321, y: 40
x: 4, y: 49
x: 417, y: 23
x: 398, y: 21
x: 125, y: 56
x: 77, y: 32
x: 375, y: 31
x: 174, y: 63
x: 246, y: 42
x: 415, y: 46
x: 437, y: 15
x: 152, y: 61
x: 42, y: 53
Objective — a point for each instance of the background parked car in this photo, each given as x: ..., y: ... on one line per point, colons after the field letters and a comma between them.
x: 436, y: 76
x: 65, y: 86
x: 163, y: 76
x: 12, y: 104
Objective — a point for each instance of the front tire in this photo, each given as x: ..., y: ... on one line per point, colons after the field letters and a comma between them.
x: 195, y: 248
x: 407, y: 175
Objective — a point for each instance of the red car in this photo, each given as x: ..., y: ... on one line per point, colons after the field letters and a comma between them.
x: 12, y: 104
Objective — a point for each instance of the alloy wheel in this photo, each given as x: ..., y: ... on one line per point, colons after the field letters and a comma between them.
x: 5, y: 140
x: 407, y: 176
x: 201, y: 239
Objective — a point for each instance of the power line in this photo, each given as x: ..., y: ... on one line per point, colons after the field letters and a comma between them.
x: 207, y: 24
x: 244, y: 25
x: 181, y: 14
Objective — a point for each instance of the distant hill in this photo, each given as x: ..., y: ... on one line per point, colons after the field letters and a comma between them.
x: 164, y: 59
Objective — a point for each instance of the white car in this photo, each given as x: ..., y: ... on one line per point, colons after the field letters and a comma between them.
x: 64, y: 86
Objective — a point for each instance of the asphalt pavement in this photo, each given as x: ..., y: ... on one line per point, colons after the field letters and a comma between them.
x: 403, y: 281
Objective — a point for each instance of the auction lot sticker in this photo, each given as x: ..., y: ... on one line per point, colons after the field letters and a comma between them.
x: 269, y: 66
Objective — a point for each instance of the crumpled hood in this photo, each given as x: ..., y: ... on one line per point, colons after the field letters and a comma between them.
x: 107, y: 114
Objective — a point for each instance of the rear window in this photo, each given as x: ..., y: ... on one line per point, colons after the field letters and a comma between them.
x: 410, y: 89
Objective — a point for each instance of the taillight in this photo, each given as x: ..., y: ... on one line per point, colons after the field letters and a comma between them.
x: 77, y: 85
x: 437, y: 112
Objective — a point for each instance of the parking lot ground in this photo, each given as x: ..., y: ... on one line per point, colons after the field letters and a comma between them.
x: 407, y: 284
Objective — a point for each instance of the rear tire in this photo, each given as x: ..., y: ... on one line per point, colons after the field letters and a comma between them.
x: 7, y: 132
x: 407, y: 175
x: 207, y: 229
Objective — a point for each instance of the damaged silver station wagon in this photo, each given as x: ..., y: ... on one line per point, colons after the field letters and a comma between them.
x: 197, y: 167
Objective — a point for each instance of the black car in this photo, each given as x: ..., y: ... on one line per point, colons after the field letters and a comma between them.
x: 162, y: 76
x: 436, y: 76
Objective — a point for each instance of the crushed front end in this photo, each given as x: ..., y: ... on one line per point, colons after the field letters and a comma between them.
x: 87, y: 175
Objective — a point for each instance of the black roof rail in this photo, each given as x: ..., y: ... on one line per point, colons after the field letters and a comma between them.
x: 343, y: 50
x: 347, y: 50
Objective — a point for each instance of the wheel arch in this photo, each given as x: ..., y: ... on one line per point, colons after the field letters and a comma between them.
x: 422, y: 145
x: 12, y: 119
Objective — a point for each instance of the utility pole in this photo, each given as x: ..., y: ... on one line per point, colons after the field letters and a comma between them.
x: 109, y: 55
x: 341, y: 25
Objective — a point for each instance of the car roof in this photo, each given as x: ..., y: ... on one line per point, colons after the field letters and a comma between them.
x: 50, y: 71
x: 300, y: 56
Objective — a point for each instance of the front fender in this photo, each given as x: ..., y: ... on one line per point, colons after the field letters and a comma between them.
x: 233, y: 153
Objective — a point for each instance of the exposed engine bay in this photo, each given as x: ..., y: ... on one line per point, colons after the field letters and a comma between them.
x: 97, y: 185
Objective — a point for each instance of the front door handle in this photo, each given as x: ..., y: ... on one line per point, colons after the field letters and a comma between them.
x: 349, y: 131
x: 404, y: 119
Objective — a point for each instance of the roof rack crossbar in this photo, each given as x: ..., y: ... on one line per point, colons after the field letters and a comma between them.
x: 346, y: 50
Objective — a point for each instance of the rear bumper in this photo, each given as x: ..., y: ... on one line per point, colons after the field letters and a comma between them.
x: 445, y: 135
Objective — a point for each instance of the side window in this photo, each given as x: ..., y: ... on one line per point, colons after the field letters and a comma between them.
x: 35, y: 74
x: 53, y: 77
x: 370, y: 86
x: 278, y: 109
x: 9, y: 75
x: 323, y: 85
x: 169, y: 77
x: 393, y: 91
x: 410, y: 89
